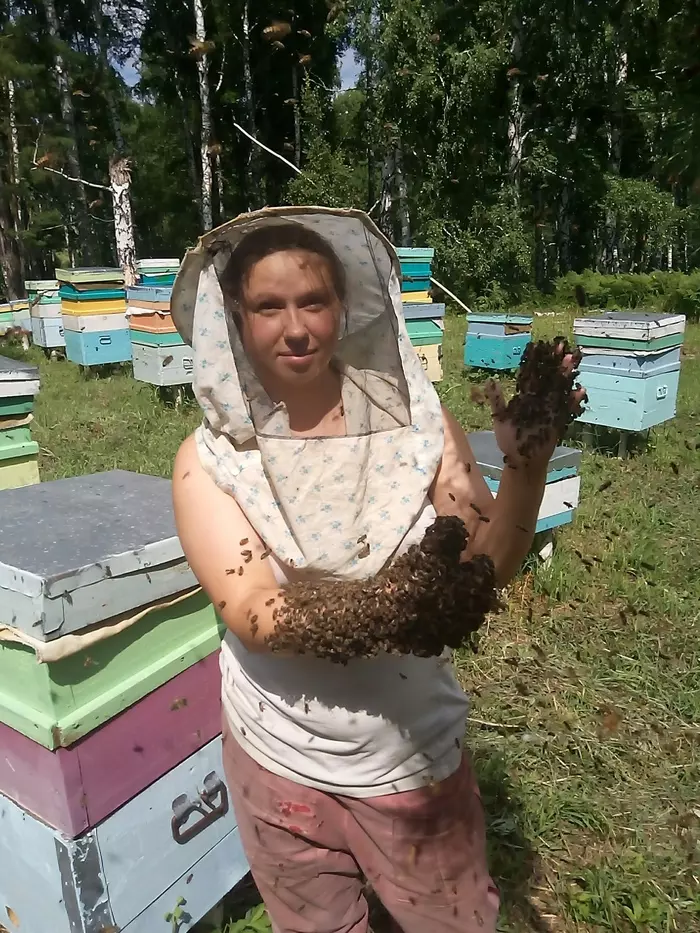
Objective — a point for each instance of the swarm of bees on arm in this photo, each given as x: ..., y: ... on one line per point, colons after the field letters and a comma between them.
x: 423, y: 601
x: 541, y: 404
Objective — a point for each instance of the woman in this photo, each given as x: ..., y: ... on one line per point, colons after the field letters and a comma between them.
x: 324, y: 453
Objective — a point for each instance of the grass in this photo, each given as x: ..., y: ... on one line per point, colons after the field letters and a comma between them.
x: 586, y: 691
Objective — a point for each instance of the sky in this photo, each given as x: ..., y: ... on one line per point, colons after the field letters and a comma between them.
x: 349, y: 71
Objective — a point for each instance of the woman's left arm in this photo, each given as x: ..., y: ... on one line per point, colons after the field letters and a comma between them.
x: 503, y: 527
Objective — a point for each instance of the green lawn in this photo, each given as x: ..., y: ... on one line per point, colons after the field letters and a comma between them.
x: 586, y: 692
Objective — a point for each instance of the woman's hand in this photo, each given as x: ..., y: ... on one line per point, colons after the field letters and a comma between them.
x: 546, y: 401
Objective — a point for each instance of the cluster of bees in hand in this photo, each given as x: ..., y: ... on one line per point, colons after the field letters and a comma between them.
x: 541, y: 405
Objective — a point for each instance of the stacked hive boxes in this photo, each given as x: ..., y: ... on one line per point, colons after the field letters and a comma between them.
x: 21, y: 318
x: 45, y: 311
x: 93, y: 307
x: 6, y: 318
x: 112, y: 799
x: 19, y: 385
x: 561, y: 495
x: 424, y: 318
x: 630, y: 368
x: 160, y: 355
x: 496, y: 341
x: 14, y: 315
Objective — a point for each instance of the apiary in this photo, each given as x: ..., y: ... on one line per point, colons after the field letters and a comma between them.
x: 496, y: 341
x: 112, y: 793
x: 93, y: 308
x: 563, y: 485
x: 630, y: 368
x: 19, y: 385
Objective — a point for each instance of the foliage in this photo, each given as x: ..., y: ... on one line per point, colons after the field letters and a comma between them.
x: 673, y: 292
x: 255, y: 921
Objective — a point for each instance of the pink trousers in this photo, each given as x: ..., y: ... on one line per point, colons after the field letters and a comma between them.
x: 423, y: 852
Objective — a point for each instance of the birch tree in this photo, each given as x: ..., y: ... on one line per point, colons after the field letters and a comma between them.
x: 200, y: 48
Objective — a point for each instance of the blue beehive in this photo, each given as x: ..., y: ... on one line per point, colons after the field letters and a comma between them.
x: 630, y: 368
x: 496, y: 341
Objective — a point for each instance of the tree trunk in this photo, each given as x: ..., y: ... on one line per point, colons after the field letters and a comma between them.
x: 205, y: 105
x: 516, y: 116
x: 14, y: 149
x: 218, y: 172
x: 120, y: 184
x: 253, y: 161
x: 404, y: 213
x: 189, y: 146
x: 386, y: 224
x: 297, y: 115
x: 68, y: 114
x: 369, y: 126
x: 615, y: 140
x: 10, y: 260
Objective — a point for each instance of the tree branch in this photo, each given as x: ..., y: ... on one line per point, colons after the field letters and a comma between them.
x: 55, y: 171
x: 271, y: 151
x: 79, y: 181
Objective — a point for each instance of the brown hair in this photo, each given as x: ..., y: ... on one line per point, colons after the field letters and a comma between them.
x: 276, y: 239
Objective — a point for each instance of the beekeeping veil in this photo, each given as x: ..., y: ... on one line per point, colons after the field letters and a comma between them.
x: 319, y: 504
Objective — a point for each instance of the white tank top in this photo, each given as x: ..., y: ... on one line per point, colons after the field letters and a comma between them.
x: 377, y: 726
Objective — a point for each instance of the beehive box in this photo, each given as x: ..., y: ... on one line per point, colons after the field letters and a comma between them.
x: 163, y: 365
x: 97, y: 348
x: 112, y: 795
x: 19, y: 384
x: 630, y: 368
x: 76, y: 551
x: 434, y: 311
x: 21, y: 317
x: 496, y: 341
x: 48, y: 332
x: 176, y: 842
x: 93, y: 307
x: 77, y: 786
x: 157, y: 273
x: 563, y: 485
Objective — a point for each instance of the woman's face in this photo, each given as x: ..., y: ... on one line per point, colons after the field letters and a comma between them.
x: 290, y: 316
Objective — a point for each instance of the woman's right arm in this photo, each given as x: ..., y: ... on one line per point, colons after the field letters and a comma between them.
x: 224, y: 552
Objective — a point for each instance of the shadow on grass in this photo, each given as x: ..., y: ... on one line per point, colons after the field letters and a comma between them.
x: 512, y: 859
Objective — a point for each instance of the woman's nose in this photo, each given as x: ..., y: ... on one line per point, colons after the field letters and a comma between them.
x: 294, y: 328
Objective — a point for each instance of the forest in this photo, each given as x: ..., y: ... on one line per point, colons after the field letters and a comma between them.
x: 523, y: 141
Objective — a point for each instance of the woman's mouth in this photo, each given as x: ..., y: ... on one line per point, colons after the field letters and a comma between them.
x: 298, y: 360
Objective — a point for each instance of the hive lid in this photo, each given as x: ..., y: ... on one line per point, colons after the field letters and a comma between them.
x: 16, y: 371
x: 490, y: 459
x: 76, y: 551
x: 42, y: 285
x: 90, y: 274
x: 487, y: 318
x: 638, y: 325
x: 148, y: 293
